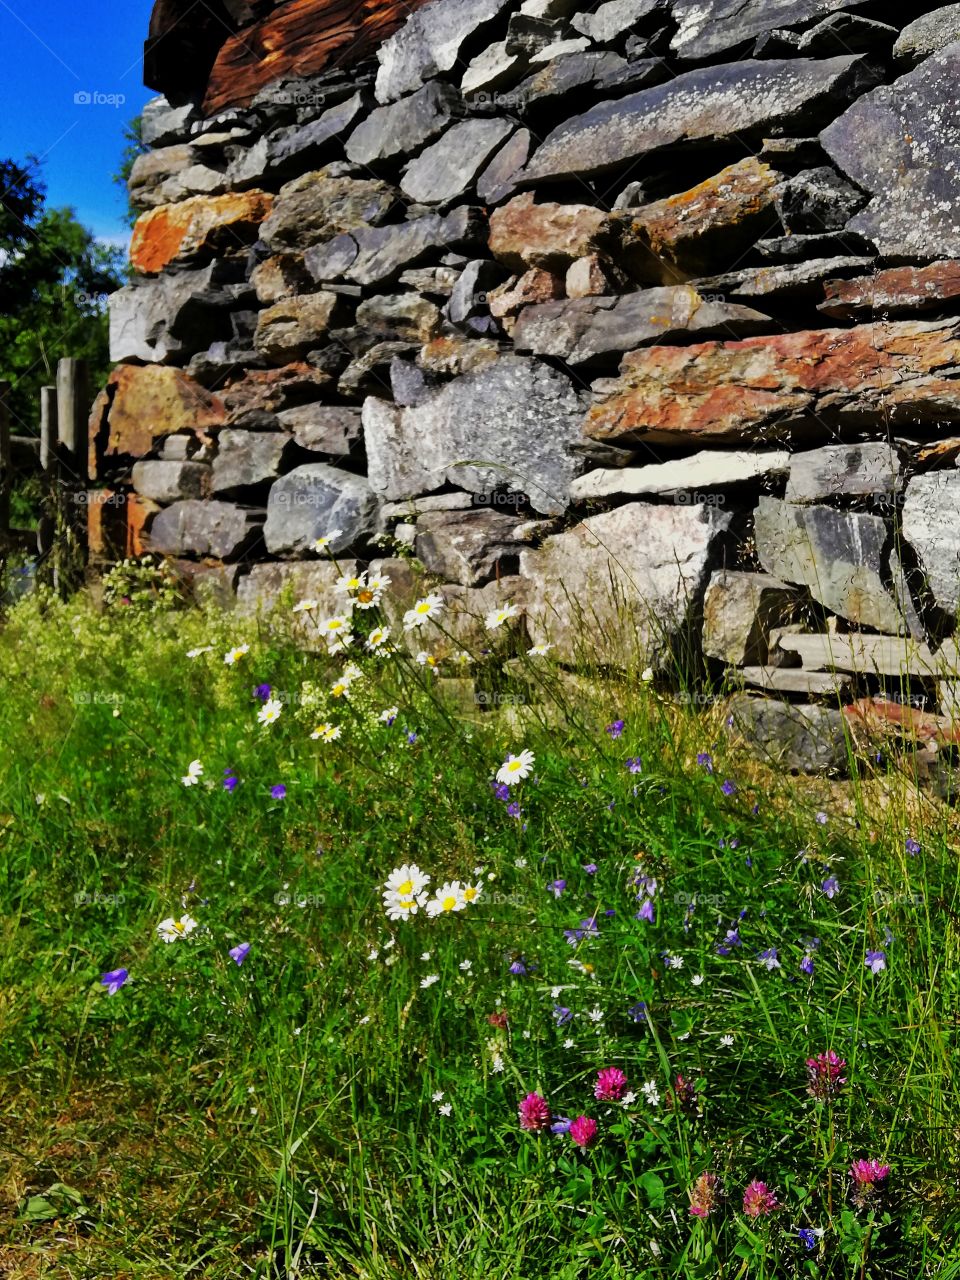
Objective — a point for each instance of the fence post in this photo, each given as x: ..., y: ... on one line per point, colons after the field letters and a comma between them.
x: 72, y: 418
x: 6, y: 467
x: 48, y: 426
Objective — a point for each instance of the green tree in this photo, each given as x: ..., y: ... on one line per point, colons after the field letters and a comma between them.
x: 54, y: 281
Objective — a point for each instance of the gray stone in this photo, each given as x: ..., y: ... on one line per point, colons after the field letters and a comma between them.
x: 510, y: 424
x: 808, y: 739
x: 370, y: 374
x: 710, y: 27
x: 469, y: 296
x: 466, y: 546
x: 837, y: 555
x: 490, y: 70
x: 408, y: 384
x: 249, y: 164
x: 413, y: 508
x: 164, y: 481
x: 495, y: 183
x: 846, y: 33
x: 931, y: 525
x: 204, y: 528
x: 289, y: 329
x: 405, y: 126
x: 900, y: 143
x: 246, y: 459
x: 313, y: 500
x: 401, y: 315
x: 801, y: 249
x: 620, y: 587
x: 709, y: 103
x: 448, y: 167
x: 860, y: 653
x: 789, y: 680
x: 332, y: 429
x: 279, y: 277
x: 560, y: 49
x: 614, y: 18
x: 781, y: 282
x: 180, y: 448
x: 702, y: 474
x: 171, y: 174
x: 928, y: 33
x: 161, y: 124
x: 585, y: 330
x: 527, y: 34
x: 435, y: 282
x: 373, y: 255
x: 262, y: 589
x: 170, y: 316
x: 817, y: 200
x: 739, y: 612
x: 316, y: 207
x: 428, y: 43
x: 847, y: 471
x: 306, y: 145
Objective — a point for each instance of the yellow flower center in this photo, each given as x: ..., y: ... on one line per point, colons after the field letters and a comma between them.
x: 407, y: 903
x: 449, y: 903
x: 469, y: 894
x: 423, y: 607
x: 405, y: 888
x: 514, y: 765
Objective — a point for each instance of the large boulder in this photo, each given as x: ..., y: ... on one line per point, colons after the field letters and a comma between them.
x: 619, y: 587
x: 900, y: 143
x: 313, y: 500
x: 169, y: 317
x: 931, y: 525
x: 928, y: 33
x: 509, y: 425
x: 805, y: 739
x: 840, y: 556
x: 711, y: 103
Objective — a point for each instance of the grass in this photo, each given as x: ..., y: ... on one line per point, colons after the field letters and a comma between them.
x: 282, y: 1117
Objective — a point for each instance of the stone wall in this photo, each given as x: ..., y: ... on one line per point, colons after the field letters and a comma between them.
x: 650, y: 310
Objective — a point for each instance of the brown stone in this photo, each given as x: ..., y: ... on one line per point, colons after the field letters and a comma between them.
x: 141, y: 402
x: 688, y: 234
x: 875, y: 717
x: 299, y: 38
x: 589, y: 277
x: 552, y: 236
x: 900, y: 290
x: 280, y: 277
x: 193, y: 228
x: 115, y: 523
x: 288, y: 330
x: 452, y: 355
x: 533, y: 287
x: 795, y: 383
x: 270, y: 390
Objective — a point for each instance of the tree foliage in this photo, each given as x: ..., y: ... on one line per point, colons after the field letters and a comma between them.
x: 54, y: 280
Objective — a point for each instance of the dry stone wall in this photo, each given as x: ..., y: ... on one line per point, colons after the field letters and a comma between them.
x: 644, y: 316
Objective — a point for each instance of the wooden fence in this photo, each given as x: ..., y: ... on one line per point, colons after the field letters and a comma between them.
x: 59, y: 454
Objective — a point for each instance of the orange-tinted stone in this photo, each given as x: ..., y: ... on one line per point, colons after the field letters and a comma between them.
x: 200, y: 226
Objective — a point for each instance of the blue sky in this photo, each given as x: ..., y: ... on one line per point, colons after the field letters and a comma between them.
x: 50, y: 51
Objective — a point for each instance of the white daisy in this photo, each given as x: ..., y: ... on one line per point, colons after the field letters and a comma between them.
x: 471, y: 892
x: 516, y: 768
x: 352, y: 672
x: 462, y: 659
x: 398, y: 908
x: 406, y: 881
x: 697, y: 979
x: 429, y: 980
x: 348, y: 583
x: 233, y: 656
x: 269, y: 713
x: 377, y: 638
x: 323, y: 542
x: 304, y: 606
x: 170, y: 930
x: 195, y: 653
x: 497, y: 617
x: 193, y: 775
x: 539, y: 650
x: 326, y: 733
x: 449, y: 897
x: 428, y: 660
x: 429, y: 607
x: 336, y: 627
x: 341, y: 689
